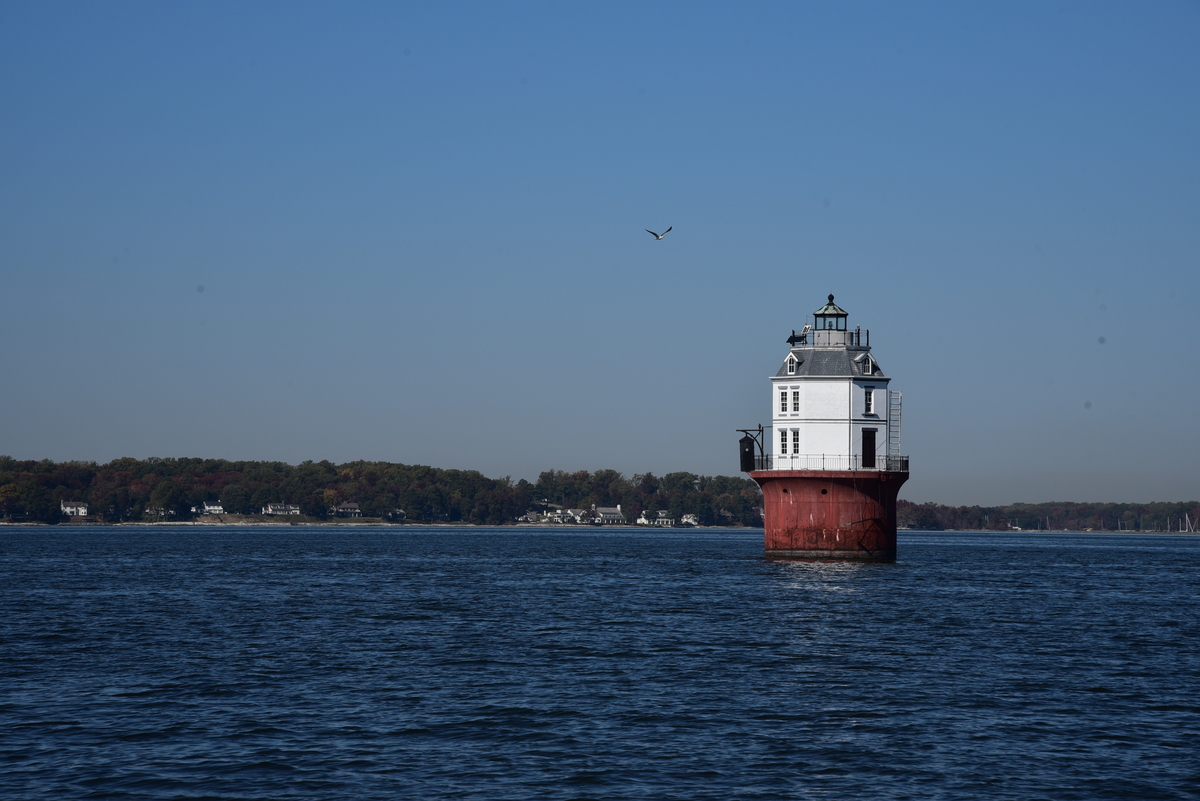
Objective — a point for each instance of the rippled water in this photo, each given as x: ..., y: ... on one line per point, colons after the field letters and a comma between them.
x: 531, y: 664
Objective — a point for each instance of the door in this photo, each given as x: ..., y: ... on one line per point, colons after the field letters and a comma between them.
x: 868, y: 449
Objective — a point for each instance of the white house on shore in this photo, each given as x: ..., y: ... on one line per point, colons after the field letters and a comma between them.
x: 281, y: 509
x: 609, y: 515
x: 73, y: 508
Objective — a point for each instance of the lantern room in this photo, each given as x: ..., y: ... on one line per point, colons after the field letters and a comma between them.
x: 830, y: 317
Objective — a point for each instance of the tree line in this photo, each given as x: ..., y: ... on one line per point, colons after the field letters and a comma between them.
x: 130, y: 489
x: 1058, y: 516
x: 133, y: 489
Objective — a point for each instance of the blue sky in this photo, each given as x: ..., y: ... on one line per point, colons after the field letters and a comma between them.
x: 414, y: 232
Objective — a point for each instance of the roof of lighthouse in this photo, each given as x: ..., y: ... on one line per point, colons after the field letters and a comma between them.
x: 836, y: 363
x: 831, y: 309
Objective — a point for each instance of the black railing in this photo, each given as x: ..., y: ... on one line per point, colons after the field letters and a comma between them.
x: 821, y: 461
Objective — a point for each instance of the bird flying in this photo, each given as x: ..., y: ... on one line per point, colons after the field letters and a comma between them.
x: 659, y: 236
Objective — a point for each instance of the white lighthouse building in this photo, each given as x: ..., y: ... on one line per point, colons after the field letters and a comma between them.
x: 832, y: 408
x: 831, y: 469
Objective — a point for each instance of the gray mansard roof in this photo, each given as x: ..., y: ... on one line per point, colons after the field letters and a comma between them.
x: 835, y: 362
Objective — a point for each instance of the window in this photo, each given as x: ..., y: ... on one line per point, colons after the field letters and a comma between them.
x: 791, y: 366
x: 867, y: 367
x: 783, y: 443
x: 868, y: 400
x: 795, y: 440
x: 795, y: 400
x: 783, y: 401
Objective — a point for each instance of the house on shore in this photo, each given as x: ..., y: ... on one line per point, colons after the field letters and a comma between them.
x: 608, y: 515
x: 73, y: 508
x: 660, y: 518
x: 281, y: 509
x: 347, y: 510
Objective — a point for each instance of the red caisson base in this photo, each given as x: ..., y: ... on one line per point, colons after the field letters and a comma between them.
x: 830, y: 514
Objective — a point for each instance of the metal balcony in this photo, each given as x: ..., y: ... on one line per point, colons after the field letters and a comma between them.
x: 820, y: 461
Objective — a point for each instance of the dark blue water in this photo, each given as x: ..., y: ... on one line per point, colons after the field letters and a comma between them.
x: 525, y: 664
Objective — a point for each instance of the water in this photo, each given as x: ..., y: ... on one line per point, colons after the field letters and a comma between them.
x: 442, y: 663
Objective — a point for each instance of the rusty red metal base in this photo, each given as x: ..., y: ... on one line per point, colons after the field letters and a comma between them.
x: 830, y: 514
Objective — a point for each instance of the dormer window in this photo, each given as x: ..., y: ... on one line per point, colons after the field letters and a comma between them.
x: 791, y: 365
x: 867, y: 367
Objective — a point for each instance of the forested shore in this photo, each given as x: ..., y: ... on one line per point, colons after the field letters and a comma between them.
x: 128, y: 490
x: 1057, y: 516
x: 132, y: 490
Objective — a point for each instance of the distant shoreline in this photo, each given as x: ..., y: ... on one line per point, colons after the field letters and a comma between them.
x: 377, y: 523
x: 357, y: 522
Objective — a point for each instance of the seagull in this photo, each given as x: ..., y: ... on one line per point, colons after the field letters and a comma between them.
x: 659, y: 236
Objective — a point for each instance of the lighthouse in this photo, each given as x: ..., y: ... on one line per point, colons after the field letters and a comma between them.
x: 830, y: 467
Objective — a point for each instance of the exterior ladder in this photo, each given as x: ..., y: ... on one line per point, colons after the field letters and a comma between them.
x: 894, y: 399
